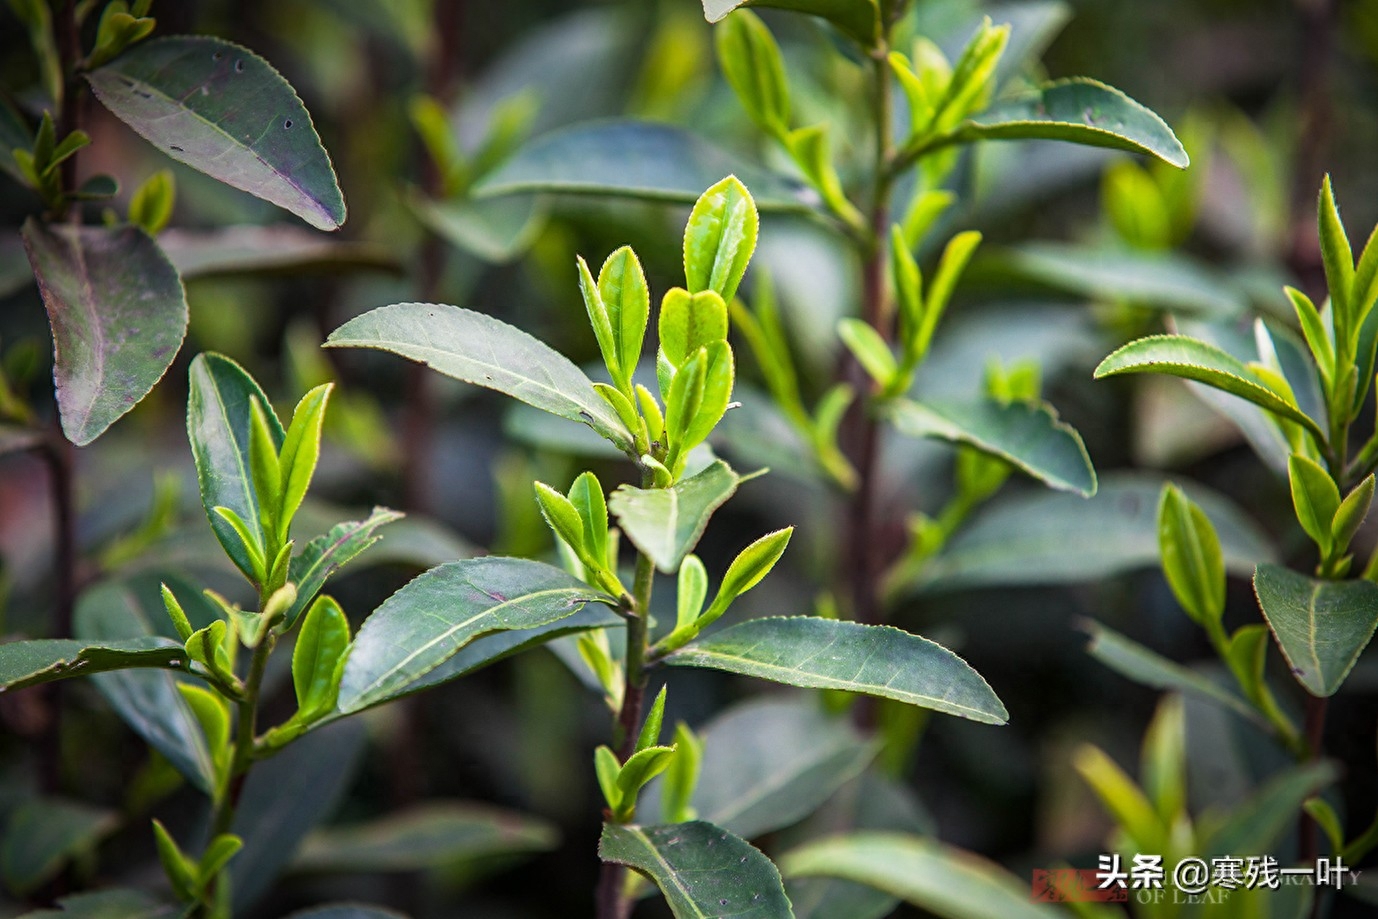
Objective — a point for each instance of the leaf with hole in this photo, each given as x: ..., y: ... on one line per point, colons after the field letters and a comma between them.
x: 118, y: 315
x: 225, y: 111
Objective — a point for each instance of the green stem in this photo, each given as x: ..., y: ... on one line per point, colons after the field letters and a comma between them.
x: 246, y: 724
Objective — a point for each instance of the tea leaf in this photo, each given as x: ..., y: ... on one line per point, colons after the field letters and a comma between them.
x: 1180, y: 356
x: 636, y: 160
x: 689, y: 322
x: 830, y: 654
x: 1339, y: 263
x: 935, y: 877
x: 1028, y: 435
x: 750, y: 59
x: 479, y: 349
x: 1351, y: 513
x: 225, y: 111
x: 433, y: 835
x: 1321, y: 626
x: 702, y: 870
x: 1078, y: 110
x: 869, y: 349
x: 666, y: 523
x: 301, y: 448
x: 857, y: 18
x: 330, y: 552
x: 118, y: 314
x: 28, y: 663
x: 622, y: 288
x: 43, y: 834
x: 1315, y: 498
x: 720, y: 238
x: 1192, y: 560
x: 317, y: 658
x: 430, y: 619
x: 771, y: 763
x: 1147, y: 668
x: 219, y: 416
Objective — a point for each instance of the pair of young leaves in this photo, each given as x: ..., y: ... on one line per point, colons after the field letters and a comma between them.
x: 622, y: 782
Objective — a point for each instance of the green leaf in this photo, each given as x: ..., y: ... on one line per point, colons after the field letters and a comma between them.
x: 328, y: 553
x: 432, y: 835
x: 693, y: 590
x: 178, y: 868
x: 1078, y: 110
x: 1315, y: 498
x: 1313, y: 328
x: 586, y: 495
x: 225, y: 111
x: 118, y: 315
x: 1180, y: 356
x: 1192, y: 560
x: 622, y: 288
x: 747, y: 570
x: 479, y: 349
x: 301, y: 448
x: 1338, y: 261
x: 770, y: 763
x: 750, y: 59
x: 640, y: 768
x: 720, y: 238
x: 829, y: 654
x: 1053, y: 538
x: 1148, y: 668
x: 219, y: 416
x: 1351, y: 513
x: 937, y: 878
x: 217, y: 855
x: 1257, y: 824
x: 857, y: 18
x: 689, y: 322
x: 702, y: 870
x: 43, y: 834
x: 637, y: 160
x: 607, y: 769
x: 147, y: 700
x: 698, y: 399
x: 956, y: 254
x: 1321, y: 626
x: 275, y: 249
x: 869, y: 349
x: 1029, y: 435
x: 317, y: 658
x: 563, y: 518
x: 430, y: 619
x: 28, y: 663
x: 666, y: 523
x: 495, y: 230
x: 108, y: 904
x: 151, y: 205
x: 650, y: 731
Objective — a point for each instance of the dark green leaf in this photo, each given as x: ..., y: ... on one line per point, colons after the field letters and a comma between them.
x: 495, y: 230
x: 702, y: 870
x: 43, y: 834
x: 329, y: 552
x: 28, y: 663
x: 285, y: 798
x: 219, y: 414
x: 108, y: 904
x: 771, y: 762
x: 858, y: 18
x: 1061, y: 538
x: 479, y: 349
x: 1257, y: 824
x: 940, y: 879
x: 224, y: 110
x: 118, y: 315
x: 148, y: 700
x: 426, y: 622
x: 638, y: 160
x: 1027, y: 435
x: 1078, y: 110
x: 424, y: 836
x: 666, y: 523
x: 829, y: 654
x: 490, y: 648
x: 1147, y: 668
x: 1180, y: 356
x: 1321, y: 626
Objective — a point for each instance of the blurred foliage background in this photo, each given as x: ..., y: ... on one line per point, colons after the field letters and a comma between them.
x: 1084, y: 249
